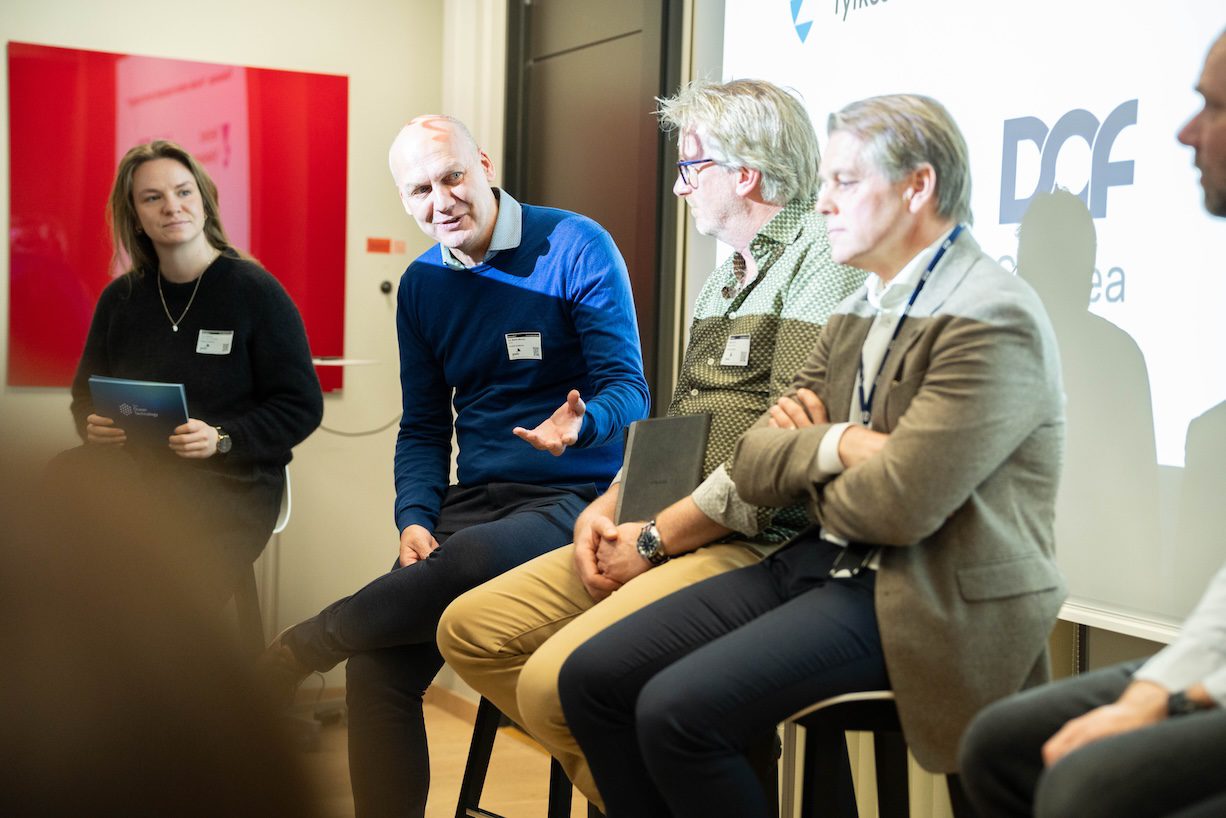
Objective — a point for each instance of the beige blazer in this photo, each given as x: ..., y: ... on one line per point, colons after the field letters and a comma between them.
x: 962, y: 495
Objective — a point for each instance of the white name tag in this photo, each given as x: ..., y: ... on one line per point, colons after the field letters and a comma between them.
x: 736, y: 353
x: 523, y: 346
x: 215, y: 341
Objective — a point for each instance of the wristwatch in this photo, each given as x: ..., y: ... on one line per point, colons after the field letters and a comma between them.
x: 650, y: 546
x: 224, y: 442
x: 1180, y: 705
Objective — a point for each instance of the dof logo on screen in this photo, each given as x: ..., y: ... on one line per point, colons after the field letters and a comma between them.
x: 1105, y: 173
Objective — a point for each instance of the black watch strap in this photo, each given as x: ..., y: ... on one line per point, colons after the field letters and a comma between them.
x: 1179, y: 704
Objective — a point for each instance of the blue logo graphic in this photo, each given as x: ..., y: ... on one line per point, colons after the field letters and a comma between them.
x: 802, y: 29
x: 1104, y: 173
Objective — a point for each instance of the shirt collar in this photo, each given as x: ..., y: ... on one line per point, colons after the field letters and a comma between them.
x: 508, y: 231
x: 780, y: 229
x: 785, y: 226
x: 892, y: 295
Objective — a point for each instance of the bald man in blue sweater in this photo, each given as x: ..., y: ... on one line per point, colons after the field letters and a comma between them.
x: 520, y: 318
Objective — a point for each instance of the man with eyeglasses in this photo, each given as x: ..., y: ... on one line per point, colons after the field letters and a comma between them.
x: 748, y: 171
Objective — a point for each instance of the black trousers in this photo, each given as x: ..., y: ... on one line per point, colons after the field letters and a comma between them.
x: 667, y: 703
x: 386, y: 630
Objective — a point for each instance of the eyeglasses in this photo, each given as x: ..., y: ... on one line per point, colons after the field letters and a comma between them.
x: 690, y: 177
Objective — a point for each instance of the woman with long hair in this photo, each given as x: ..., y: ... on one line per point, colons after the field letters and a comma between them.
x: 193, y: 309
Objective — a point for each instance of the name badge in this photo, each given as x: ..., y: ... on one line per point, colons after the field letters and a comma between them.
x: 523, y: 346
x: 736, y: 353
x: 215, y: 341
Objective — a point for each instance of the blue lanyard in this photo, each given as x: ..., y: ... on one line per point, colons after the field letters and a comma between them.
x: 866, y: 405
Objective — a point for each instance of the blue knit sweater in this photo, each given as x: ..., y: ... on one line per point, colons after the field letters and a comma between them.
x: 567, y: 281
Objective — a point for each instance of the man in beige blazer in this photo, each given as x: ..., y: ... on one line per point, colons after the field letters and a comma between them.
x: 924, y: 434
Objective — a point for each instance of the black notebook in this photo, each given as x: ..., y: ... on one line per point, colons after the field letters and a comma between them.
x: 663, y: 463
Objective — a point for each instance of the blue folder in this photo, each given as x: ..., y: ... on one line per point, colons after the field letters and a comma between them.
x: 147, y: 411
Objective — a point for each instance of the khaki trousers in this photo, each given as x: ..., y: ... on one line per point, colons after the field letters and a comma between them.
x: 509, y: 637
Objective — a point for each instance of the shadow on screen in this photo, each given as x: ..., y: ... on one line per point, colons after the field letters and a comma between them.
x: 1201, y: 544
x: 1107, y: 515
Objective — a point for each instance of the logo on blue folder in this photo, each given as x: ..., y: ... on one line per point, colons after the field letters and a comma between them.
x: 802, y: 29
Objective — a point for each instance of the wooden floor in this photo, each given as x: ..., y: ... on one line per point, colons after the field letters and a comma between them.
x: 516, y: 786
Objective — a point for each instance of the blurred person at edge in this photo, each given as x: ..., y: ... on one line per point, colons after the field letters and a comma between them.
x: 124, y: 694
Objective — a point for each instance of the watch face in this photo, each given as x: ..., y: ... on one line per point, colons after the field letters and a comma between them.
x: 649, y: 545
x: 224, y: 443
x: 646, y: 543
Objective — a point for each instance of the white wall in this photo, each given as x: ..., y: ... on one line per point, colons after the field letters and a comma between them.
x: 474, y: 84
x: 342, y: 533
x: 474, y: 49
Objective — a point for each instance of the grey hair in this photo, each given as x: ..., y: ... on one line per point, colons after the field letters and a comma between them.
x: 904, y: 131
x: 752, y: 124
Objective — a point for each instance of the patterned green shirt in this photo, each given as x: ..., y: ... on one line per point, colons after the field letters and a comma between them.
x: 781, y: 312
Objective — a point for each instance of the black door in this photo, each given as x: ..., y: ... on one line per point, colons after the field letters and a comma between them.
x: 582, y: 80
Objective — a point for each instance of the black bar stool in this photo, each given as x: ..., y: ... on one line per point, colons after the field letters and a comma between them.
x: 827, y: 787
x: 485, y: 730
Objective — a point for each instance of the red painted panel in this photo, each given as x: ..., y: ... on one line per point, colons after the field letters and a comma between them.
x: 275, y: 142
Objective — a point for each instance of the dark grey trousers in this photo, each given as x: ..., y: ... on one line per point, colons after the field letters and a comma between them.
x: 1174, y: 768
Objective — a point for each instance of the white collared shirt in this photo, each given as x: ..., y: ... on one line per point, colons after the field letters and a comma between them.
x: 1199, y: 653
x: 888, y: 299
x: 508, y: 231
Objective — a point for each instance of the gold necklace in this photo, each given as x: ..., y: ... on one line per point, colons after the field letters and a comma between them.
x: 174, y: 325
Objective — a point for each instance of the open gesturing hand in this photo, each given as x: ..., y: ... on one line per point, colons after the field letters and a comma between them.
x: 559, y: 430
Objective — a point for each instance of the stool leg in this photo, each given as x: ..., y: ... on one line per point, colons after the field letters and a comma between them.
x: 763, y: 754
x: 890, y: 756
x: 485, y: 730
x: 787, y: 763
x: 559, y: 791
x: 827, y: 788
x: 957, y: 797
